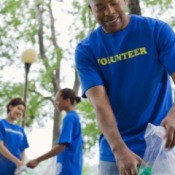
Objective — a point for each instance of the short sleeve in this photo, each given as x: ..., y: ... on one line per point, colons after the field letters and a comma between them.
x: 88, y: 70
x: 24, y: 143
x: 166, y: 47
x: 66, y: 131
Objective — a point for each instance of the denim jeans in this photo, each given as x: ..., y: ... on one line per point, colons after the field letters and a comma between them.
x: 108, y: 168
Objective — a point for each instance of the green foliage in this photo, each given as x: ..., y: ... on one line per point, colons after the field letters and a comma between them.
x: 7, y: 91
x: 10, y: 6
x: 163, y: 4
x: 89, y: 124
x: 18, y: 25
x: 173, y: 21
x: 86, y: 22
x: 88, y: 170
x: 85, y: 169
x: 22, y: 29
x: 161, y: 9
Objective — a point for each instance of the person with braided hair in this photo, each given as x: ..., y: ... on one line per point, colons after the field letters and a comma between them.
x: 69, y: 146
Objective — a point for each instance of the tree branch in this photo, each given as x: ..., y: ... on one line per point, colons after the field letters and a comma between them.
x: 53, y: 35
x: 134, y: 7
x: 50, y: 98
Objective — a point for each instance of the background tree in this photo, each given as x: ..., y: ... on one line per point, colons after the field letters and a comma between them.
x: 134, y: 7
x: 32, y: 22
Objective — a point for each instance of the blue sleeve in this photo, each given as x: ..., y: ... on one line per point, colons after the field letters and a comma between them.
x: 67, y: 131
x: 1, y: 132
x: 166, y: 47
x: 88, y: 69
x: 24, y: 143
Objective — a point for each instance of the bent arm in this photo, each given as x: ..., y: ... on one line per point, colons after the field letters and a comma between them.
x: 53, y: 152
x: 6, y: 153
x: 126, y: 159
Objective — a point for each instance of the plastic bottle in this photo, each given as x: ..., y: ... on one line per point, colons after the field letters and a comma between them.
x: 144, y: 170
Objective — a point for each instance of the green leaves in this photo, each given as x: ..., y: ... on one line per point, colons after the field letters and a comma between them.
x: 89, y: 123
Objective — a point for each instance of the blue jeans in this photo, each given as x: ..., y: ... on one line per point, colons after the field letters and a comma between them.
x: 108, y: 168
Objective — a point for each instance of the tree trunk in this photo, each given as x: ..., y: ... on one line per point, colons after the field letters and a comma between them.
x: 134, y: 7
x: 76, y: 83
x: 56, y: 126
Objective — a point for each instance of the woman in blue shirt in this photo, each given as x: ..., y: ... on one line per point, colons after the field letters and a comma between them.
x: 69, y: 146
x: 13, y: 141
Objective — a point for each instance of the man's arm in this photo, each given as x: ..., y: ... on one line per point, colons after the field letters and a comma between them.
x: 6, y: 153
x: 173, y: 77
x: 169, y: 124
x: 53, y: 152
x: 127, y: 161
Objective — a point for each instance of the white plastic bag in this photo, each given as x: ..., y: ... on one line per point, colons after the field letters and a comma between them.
x: 48, y: 167
x: 161, y: 161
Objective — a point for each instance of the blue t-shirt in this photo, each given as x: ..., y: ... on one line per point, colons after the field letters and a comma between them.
x: 133, y: 65
x: 15, y: 140
x: 71, y: 158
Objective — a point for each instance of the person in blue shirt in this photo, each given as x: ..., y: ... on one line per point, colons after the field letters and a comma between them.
x: 70, y: 143
x: 13, y: 140
x: 125, y: 66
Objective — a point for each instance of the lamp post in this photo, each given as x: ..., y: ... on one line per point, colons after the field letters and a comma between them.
x: 28, y: 56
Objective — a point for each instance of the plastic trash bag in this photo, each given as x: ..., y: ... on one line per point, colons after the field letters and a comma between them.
x: 157, y: 160
x: 47, y: 167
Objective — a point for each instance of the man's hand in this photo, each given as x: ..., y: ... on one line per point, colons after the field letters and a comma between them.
x: 33, y: 163
x: 169, y: 124
x: 127, y: 162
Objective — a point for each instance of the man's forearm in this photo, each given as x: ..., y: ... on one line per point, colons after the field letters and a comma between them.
x: 108, y: 126
x: 106, y: 119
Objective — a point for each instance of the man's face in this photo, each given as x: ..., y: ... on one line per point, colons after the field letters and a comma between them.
x: 110, y: 14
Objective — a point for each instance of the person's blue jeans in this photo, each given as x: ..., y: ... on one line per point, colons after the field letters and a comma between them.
x: 108, y: 168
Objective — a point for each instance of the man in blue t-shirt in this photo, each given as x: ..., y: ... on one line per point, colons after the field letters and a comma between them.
x: 124, y: 67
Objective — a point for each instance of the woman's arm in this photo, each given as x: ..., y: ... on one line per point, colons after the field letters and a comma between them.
x: 53, y: 152
x: 23, y: 156
x: 6, y: 153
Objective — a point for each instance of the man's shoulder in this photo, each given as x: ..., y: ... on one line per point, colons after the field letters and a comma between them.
x: 146, y: 19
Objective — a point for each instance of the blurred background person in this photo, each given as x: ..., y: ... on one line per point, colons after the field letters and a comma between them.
x: 70, y: 142
x: 13, y: 140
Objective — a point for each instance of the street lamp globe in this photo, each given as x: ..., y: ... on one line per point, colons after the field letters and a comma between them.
x: 28, y: 57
